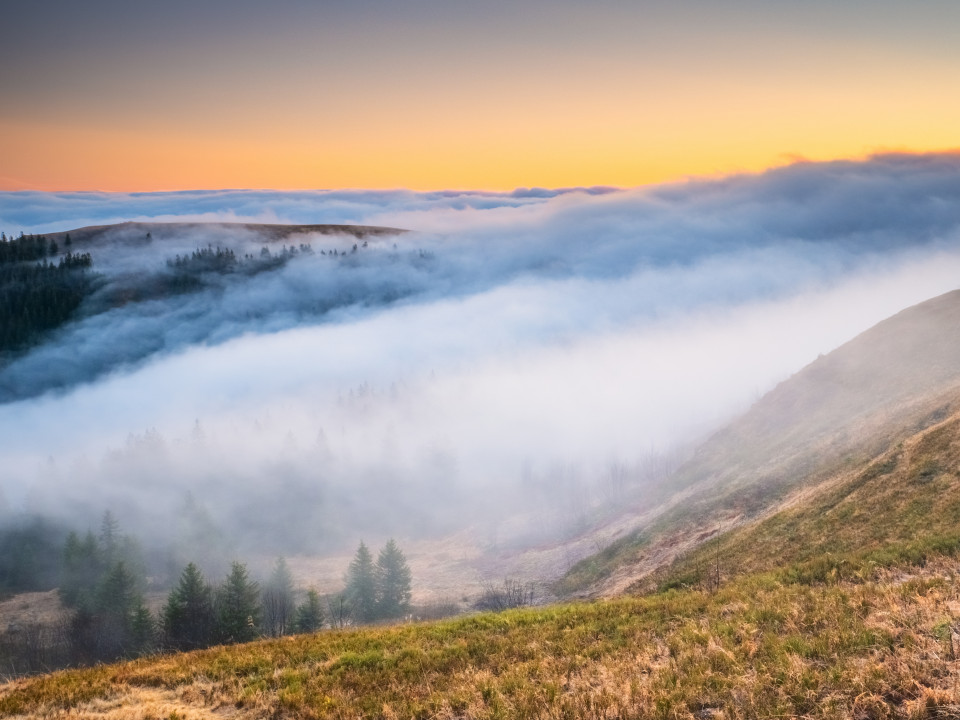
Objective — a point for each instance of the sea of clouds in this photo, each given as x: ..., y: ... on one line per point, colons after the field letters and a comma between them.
x: 505, y: 353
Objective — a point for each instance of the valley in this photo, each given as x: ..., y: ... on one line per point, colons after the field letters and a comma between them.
x: 806, y: 566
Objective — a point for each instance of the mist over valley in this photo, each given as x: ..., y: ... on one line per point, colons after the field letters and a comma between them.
x: 516, y: 377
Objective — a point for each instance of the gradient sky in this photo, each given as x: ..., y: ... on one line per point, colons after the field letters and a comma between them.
x: 431, y: 94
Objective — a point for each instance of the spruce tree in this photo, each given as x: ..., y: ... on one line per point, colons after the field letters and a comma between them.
x: 188, y: 617
x: 361, y: 590
x: 278, y: 603
x: 143, y: 630
x: 238, y: 607
x: 310, y: 613
x: 116, y: 603
x: 392, y: 582
x: 109, y: 536
x: 82, y: 568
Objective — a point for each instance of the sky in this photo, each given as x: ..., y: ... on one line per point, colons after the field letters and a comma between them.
x: 628, y: 221
x: 434, y: 94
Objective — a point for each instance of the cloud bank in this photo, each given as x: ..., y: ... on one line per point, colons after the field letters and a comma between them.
x: 501, y: 357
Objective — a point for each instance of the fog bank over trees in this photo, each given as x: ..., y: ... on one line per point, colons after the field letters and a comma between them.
x: 550, y: 354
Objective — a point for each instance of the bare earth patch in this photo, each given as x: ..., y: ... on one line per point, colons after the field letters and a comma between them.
x: 42, y: 608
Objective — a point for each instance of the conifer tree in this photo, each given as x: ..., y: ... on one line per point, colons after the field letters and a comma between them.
x: 116, y: 604
x: 82, y: 567
x: 238, y: 607
x: 361, y: 590
x: 109, y: 537
x: 143, y: 630
x: 188, y: 617
x: 278, y: 603
x: 392, y: 582
x: 310, y: 613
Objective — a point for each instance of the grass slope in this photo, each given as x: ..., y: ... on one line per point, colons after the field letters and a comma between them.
x: 765, y: 646
x: 907, y: 495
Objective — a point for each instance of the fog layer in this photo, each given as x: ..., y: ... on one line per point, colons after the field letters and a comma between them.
x: 507, y: 355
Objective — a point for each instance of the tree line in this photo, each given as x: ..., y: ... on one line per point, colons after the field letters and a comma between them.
x: 43, y: 285
x: 38, y: 294
x: 103, y: 580
x: 28, y: 248
x: 225, y: 260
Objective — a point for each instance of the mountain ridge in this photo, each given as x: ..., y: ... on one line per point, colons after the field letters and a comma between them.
x: 272, y: 232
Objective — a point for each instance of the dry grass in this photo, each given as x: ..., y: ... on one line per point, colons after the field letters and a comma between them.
x: 908, y: 498
x: 761, y: 647
x: 27, y: 608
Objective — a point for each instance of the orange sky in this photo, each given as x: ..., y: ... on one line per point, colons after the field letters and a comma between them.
x: 550, y: 95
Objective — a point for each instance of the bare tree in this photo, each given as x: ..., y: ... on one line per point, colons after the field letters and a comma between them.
x: 510, y: 593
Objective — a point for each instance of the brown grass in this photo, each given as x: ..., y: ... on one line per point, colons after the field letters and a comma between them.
x: 760, y: 647
x: 907, y: 495
x: 42, y: 608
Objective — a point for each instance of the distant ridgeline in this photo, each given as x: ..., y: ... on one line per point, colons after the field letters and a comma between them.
x: 42, y: 285
x: 217, y: 259
x: 188, y: 268
x: 38, y: 292
x: 196, y: 271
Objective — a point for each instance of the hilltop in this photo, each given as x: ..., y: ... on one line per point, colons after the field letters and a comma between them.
x: 276, y: 232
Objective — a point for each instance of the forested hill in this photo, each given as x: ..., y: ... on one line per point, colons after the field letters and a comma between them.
x: 40, y: 287
x: 276, y: 232
x: 170, y: 284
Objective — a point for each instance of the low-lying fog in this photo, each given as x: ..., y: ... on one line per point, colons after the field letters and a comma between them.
x: 555, y: 351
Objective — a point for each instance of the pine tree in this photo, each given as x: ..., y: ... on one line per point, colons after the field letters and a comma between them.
x: 199, y: 538
x: 238, y: 607
x: 361, y: 590
x: 82, y: 568
x: 143, y: 630
x: 188, y: 617
x: 392, y: 582
x: 109, y: 536
x: 116, y: 603
x: 278, y: 603
x: 310, y: 613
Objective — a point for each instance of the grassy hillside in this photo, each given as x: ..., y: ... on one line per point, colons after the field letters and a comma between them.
x: 764, y: 646
x: 829, y: 420
x: 847, y: 405
x: 909, y: 494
